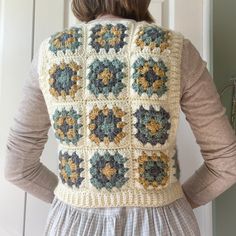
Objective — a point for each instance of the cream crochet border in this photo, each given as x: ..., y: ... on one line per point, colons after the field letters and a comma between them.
x: 85, y: 197
x: 131, y: 197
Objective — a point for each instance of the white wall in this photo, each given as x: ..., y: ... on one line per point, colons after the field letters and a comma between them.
x: 17, y: 209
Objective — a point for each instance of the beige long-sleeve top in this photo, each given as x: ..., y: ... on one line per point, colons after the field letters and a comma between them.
x: 199, y: 101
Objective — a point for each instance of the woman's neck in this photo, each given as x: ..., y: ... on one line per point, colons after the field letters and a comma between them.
x: 108, y: 16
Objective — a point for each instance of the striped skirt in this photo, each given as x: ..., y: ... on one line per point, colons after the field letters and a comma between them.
x: 176, y: 219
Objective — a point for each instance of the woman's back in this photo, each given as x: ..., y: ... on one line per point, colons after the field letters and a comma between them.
x: 113, y: 136
x: 112, y: 89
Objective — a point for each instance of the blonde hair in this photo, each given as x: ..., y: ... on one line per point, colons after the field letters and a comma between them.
x: 86, y: 10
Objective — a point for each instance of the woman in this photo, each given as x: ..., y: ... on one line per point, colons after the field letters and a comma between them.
x: 203, y: 109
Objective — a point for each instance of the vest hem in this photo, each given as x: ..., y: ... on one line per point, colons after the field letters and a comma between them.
x: 121, y: 198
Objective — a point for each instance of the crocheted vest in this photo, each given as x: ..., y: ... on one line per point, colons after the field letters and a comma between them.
x: 112, y: 89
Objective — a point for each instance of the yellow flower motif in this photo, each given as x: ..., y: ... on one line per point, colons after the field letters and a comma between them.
x: 119, y: 137
x: 71, y: 134
x: 94, y: 113
x: 143, y: 82
x: 64, y: 175
x: 60, y: 121
x: 158, y: 70
x: 106, y: 141
x: 60, y: 133
x: 163, y: 46
x: 108, y: 171
x: 114, y: 41
x: 69, y: 41
x: 105, y: 76
x: 105, y: 110
x: 70, y: 120
x: 121, y: 124
x: 140, y: 43
x: 153, y: 126
x: 119, y: 113
x: 92, y: 126
x: 94, y: 138
x: 115, y: 31
x: 157, y: 85
x: 101, y: 41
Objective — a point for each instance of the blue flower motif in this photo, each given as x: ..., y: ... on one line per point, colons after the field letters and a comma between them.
x: 64, y: 79
x: 106, y: 77
x: 108, y: 36
x: 149, y: 76
x: 153, y: 170
x: 106, y: 125
x: 152, y: 37
x: 152, y: 126
x: 108, y: 170
x: 66, y: 125
x: 70, y: 170
x: 68, y: 39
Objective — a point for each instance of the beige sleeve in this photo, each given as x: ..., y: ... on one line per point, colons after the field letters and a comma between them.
x: 26, y: 141
x: 214, y: 134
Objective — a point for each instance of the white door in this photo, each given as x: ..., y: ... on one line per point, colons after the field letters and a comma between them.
x: 33, y: 20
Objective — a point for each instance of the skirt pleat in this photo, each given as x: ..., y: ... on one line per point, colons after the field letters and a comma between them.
x: 175, y: 219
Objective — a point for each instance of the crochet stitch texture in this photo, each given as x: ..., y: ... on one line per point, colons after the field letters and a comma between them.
x: 112, y: 89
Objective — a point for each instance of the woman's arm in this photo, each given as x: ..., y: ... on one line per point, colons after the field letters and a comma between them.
x: 207, y: 117
x: 26, y: 141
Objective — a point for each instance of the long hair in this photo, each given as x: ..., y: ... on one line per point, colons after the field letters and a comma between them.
x: 86, y: 10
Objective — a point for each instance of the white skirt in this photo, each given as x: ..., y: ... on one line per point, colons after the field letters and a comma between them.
x: 175, y: 219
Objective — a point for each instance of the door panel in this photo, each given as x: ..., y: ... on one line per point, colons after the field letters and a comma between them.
x: 15, y: 57
x: 49, y: 14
